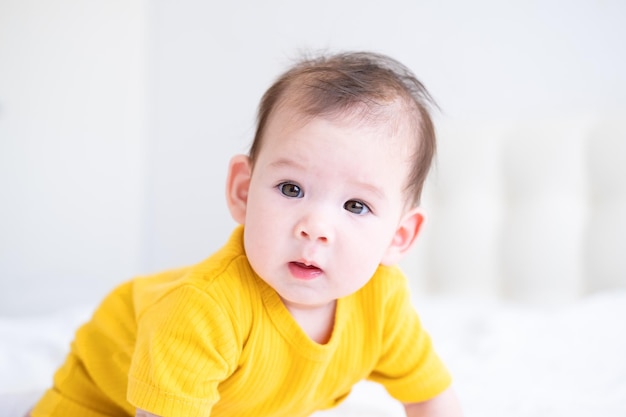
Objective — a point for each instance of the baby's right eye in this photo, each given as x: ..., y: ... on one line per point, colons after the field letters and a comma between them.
x: 291, y: 190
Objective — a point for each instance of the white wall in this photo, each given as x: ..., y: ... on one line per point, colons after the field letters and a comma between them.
x: 91, y: 194
x: 71, y: 149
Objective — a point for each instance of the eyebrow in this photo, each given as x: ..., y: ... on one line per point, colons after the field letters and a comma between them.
x: 372, y: 188
x: 285, y: 162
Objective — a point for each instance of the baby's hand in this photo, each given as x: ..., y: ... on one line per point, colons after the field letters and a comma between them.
x: 445, y: 404
x: 141, y: 413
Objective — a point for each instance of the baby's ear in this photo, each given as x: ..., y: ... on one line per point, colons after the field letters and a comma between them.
x: 237, y: 184
x: 405, y: 236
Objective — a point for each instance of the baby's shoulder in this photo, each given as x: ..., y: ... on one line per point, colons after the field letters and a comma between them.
x: 387, y: 287
x: 217, y: 283
x: 387, y: 280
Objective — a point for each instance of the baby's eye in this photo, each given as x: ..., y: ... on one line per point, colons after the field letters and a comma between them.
x: 356, y: 207
x: 290, y: 190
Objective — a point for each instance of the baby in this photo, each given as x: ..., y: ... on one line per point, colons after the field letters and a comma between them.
x: 304, y: 300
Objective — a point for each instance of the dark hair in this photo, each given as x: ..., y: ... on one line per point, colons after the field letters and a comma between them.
x: 363, y: 83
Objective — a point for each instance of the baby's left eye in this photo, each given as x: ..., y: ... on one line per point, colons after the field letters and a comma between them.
x: 356, y: 207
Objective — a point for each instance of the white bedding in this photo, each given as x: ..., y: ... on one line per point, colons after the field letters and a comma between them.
x: 507, y: 360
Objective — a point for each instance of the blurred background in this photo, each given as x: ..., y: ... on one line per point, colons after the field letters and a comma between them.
x: 118, y: 119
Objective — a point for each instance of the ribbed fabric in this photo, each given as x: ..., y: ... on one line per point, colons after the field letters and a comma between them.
x: 214, y: 339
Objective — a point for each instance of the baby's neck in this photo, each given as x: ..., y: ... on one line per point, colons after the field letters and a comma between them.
x: 317, y: 323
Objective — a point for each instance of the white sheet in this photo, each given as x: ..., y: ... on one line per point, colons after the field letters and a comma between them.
x: 507, y: 360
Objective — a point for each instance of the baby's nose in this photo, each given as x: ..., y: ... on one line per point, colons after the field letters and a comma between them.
x: 314, y: 227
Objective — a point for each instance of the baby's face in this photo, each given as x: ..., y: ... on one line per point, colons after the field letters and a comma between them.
x: 325, y: 200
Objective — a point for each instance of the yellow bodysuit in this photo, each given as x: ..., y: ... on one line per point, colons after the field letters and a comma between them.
x: 214, y: 339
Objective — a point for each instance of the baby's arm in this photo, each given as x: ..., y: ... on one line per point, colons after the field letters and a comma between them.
x: 445, y: 404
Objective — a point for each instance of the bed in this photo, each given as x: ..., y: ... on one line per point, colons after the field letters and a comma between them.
x: 519, y: 275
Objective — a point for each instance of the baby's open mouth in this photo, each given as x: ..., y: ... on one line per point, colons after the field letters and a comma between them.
x: 303, y: 265
x: 304, y: 271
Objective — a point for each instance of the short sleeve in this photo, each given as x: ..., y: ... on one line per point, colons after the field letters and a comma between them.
x: 185, y: 347
x: 408, y: 367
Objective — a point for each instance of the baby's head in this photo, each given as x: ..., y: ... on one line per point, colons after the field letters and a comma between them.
x: 331, y: 187
x: 369, y: 87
